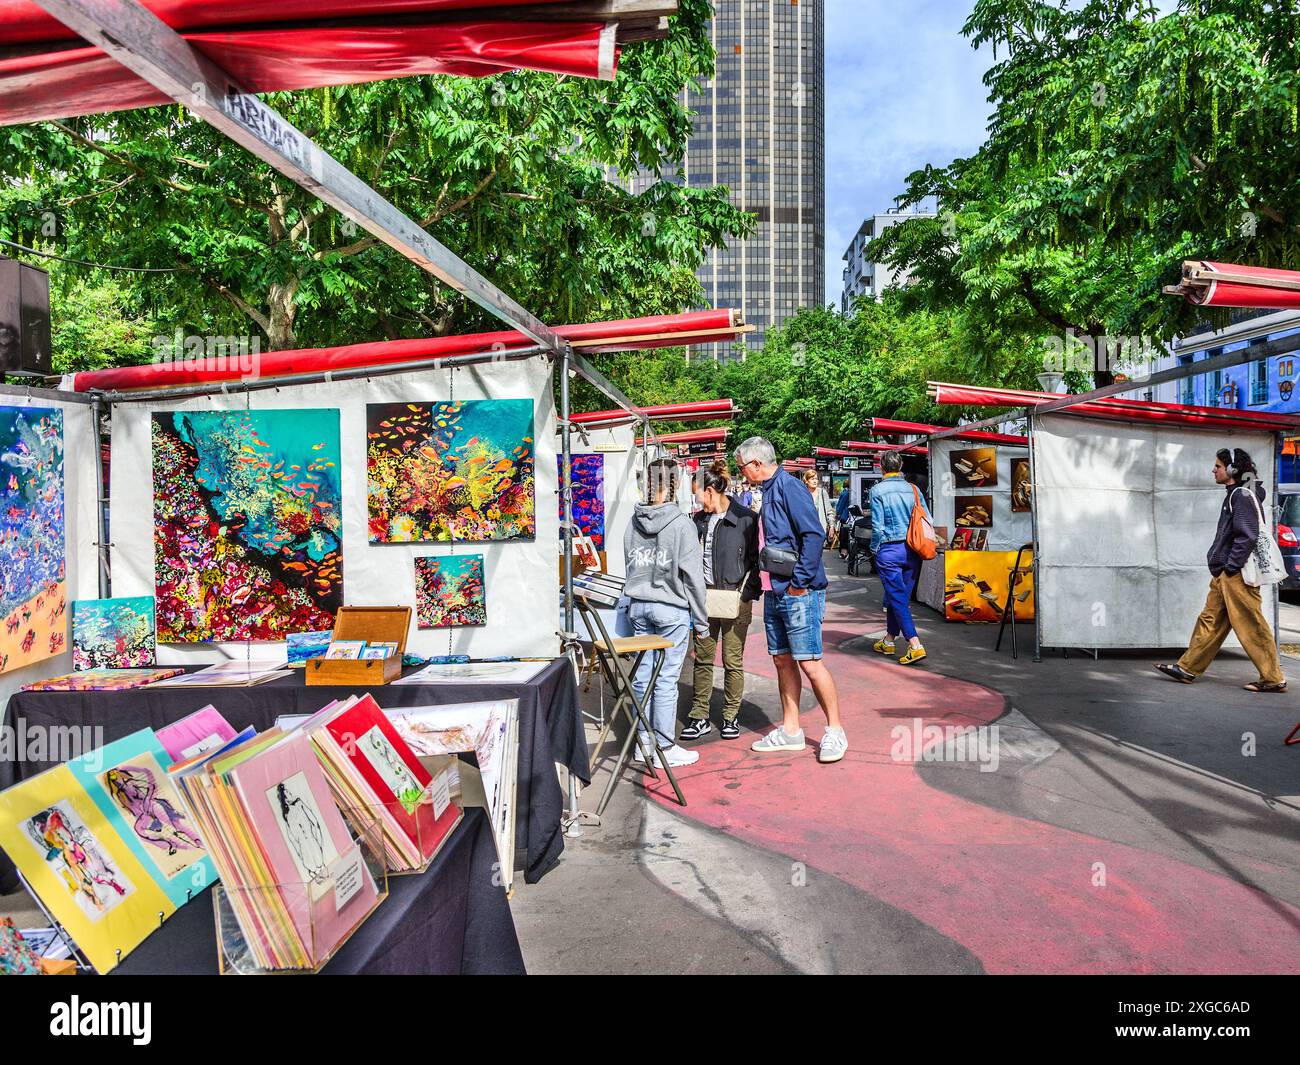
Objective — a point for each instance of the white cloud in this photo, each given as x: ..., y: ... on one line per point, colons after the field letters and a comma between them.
x: 903, y: 88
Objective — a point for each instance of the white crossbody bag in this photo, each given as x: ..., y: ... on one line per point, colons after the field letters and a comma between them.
x: 1264, y: 565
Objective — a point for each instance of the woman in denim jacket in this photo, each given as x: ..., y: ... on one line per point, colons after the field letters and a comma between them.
x: 892, y: 500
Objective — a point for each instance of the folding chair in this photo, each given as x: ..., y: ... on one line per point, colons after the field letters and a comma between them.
x: 613, y: 654
x: 1009, y: 609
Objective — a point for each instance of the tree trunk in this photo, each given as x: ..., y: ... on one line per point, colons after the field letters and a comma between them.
x: 281, y: 314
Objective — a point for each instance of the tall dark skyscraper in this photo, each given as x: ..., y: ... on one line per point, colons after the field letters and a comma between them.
x: 760, y: 130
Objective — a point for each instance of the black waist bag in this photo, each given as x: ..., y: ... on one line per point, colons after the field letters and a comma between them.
x: 777, y: 561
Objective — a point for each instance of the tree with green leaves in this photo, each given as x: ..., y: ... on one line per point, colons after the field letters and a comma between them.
x: 510, y: 171
x: 819, y: 377
x: 1122, y: 141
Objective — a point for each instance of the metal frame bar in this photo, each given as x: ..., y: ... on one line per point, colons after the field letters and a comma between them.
x: 144, y: 44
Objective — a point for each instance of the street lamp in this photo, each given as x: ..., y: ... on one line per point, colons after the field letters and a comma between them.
x: 1050, y: 380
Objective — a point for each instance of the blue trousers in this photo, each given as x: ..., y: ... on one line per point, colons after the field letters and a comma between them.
x: 899, y: 567
x: 672, y: 623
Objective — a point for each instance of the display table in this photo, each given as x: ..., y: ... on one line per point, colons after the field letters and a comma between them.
x: 550, y: 731
x: 447, y: 920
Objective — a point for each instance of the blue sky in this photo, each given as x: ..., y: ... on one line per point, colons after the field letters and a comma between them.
x: 903, y: 89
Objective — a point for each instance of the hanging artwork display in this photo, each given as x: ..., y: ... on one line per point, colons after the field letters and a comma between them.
x: 113, y: 633
x: 588, y: 482
x: 976, y: 468
x: 33, y: 590
x: 451, y: 471
x: 976, y: 584
x: 1021, y: 487
x: 248, y: 523
x: 975, y: 512
x: 449, y: 591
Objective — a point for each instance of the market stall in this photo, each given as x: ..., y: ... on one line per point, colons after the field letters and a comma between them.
x: 1123, y: 507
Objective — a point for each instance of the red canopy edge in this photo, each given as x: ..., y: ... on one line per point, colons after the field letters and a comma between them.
x: 702, y: 411
x: 1210, y: 284
x: 862, y: 445
x: 921, y: 429
x: 839, y: 452
x: 1119, y: 409
x: 25, y: 22
x: 83, y: 80
x: 631, y: 334
x: 692, y: 436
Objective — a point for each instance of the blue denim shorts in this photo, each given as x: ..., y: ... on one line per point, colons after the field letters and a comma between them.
x: 794, y: 624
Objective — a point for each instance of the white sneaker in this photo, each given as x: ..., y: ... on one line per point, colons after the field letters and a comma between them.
x: 680, y: 756
x: 834, y: 744
x: 778, y: 740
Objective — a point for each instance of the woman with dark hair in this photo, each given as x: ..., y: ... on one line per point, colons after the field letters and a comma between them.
x: 1233, y: 605
x: 892, y: 500
x: 728, y: 535
x: 665, y: 589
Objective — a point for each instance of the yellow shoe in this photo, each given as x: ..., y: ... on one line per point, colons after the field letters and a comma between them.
x: 885, y: 647
x: 914, y: 654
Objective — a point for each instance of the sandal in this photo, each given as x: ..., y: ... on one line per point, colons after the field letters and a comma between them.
x: 1260, y: 686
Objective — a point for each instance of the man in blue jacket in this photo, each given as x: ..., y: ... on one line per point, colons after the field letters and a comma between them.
x: 793, y: 606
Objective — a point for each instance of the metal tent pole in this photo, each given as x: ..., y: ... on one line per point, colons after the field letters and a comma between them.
x: 574, y: 827
x: 1033, y: 518
x: 101, y: 500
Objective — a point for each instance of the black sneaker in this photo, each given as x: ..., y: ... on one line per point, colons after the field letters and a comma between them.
x: 729, y: 731
x: 697, y: 727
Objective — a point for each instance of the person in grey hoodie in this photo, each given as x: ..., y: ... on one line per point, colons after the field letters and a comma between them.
x: 665, y: 588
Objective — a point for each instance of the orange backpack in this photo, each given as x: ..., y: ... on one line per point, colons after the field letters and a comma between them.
x: 920, y: 532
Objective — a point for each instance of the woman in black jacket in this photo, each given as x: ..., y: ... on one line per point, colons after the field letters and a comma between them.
x: 729, y: 538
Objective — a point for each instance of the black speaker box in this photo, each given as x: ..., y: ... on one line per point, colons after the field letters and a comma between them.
x: 24, y: 319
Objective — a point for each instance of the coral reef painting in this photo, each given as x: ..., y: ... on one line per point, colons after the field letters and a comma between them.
x: 113, y: 633
x: 588, y: 481
x: 33, y: 599
x: 248, y: 523
x: 451, y: 471
x: 449, y: 591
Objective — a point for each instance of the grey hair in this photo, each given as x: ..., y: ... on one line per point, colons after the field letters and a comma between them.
x: 756, y: 448
x: 891, y: 461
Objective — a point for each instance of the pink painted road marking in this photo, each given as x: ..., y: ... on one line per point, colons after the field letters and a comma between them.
x: 1018, y: 894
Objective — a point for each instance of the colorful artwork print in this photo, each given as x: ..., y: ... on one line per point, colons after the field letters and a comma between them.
x: 78, y: 860
x: 451, y: 471
x: 587, y: 478
x: 450, y: 591
x: 248, y: 524
x: 149, y: 805
x: 32, y: 591
x: 301, y: 825
x: 113, y: 633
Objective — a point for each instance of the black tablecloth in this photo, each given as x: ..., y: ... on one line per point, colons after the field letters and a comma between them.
x: 550, y: 731
x: 449, y: 919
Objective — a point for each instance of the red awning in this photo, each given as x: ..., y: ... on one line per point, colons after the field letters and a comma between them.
x: 632, y: 334
x: 1207, y: 284
x: 693, y: 436
x: 862, y: 445
x: 708, y: 410
x: 840, y: 453
x: 891, y: 427
x: 47, y: 72
x: 1116, y: 409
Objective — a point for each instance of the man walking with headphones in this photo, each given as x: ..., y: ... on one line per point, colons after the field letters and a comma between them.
x: 1233, y: 605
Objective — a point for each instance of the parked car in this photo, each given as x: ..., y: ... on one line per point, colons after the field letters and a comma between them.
x: 1288, y: 533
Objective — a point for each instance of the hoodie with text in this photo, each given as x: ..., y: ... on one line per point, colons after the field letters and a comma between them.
x: 664, y: 563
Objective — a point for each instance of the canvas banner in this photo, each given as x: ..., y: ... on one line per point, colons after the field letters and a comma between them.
x: 1126, y: 514
x: 521, y: 587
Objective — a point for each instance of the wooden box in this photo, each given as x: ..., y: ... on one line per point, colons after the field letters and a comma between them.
x: 374, y: 624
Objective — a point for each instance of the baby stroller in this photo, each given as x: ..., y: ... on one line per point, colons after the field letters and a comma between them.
x: 859, y: 526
